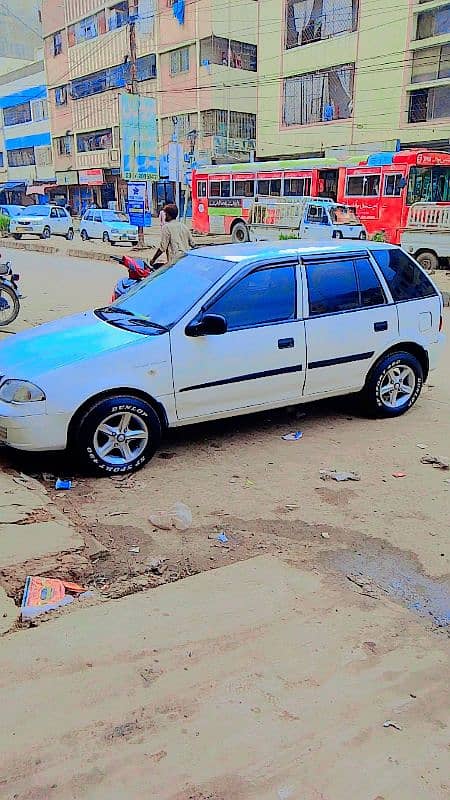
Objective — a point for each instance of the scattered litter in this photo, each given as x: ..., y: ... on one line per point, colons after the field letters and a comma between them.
x: 48, y: 476
x: 134, y: 549
x: 179, y: 517
x: 156, y: 565
x: 291, y: 506
x: 390, y: 724
x: 436, y: 461
x: 368, y: 585
x: 421, y: 446
x: 292, y: 437
x: 248, y: 483
x: 46, y: 594
x: 63, y: 483
x: 447, y: 480
x: 285, y: 793
x: 333, y: 474
x: 325, y: 535
x: 222, y: 537
x: 399, y: 474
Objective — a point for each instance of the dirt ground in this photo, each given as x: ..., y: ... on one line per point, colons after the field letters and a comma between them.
x: 383, y: 538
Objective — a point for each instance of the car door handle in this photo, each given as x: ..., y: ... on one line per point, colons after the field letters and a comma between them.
x: 380, y: 326
x: 284, y: 344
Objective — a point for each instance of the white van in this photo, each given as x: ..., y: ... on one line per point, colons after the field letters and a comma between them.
x: 314, y: 219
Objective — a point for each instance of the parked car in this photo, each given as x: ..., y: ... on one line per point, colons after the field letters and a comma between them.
x: 224, y: 331
x: 43, y: 221
x: 111, y: 226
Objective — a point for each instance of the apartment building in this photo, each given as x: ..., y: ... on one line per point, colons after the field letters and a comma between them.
x: 198, y: 59
x: 25, y: 143
x: 352, y: 76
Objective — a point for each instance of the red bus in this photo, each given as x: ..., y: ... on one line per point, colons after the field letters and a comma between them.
x: 381, y: 188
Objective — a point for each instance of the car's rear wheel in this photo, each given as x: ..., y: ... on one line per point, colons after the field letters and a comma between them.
x: 46, y: 233
x: 393, y: 385
x: 428, y: 260
x: 117, y: 434
x: 84, y: 235
x: 17, y: 235
x: 105, y: 237
x: 69, y: 235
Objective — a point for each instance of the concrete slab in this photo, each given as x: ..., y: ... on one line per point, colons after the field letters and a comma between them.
x: 20, y: 543
x: 251, y: 682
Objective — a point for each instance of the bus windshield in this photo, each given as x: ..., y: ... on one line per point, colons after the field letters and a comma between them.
x: 429, y: 184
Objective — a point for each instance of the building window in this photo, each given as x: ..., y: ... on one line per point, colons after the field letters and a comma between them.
x: 430, y: 64
x: 63, y: 145
x: 113, y: 78
x: 61, y: 96
x: 57, y: 43
x: 15, y: 115
x: 179, y: 61
x: 1, y: 159
x: 94, y: 140
x: 228, y: 52
x: 39, y: 110
x: 117, y: 16
x: 321, y: 96
x: 363, y: 186
x: 43, y: 156
x: 23, y: 157
x: 233, y: 124
x: 312, y: 20
x: 86, y: 29
x: 429, y: 104
x: 433, y: 23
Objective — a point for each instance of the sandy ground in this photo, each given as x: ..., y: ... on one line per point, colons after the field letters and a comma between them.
x: 322, y: 683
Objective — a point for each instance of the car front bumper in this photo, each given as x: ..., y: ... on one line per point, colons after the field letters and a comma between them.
x: 123, y: 237
x: 32, y: 431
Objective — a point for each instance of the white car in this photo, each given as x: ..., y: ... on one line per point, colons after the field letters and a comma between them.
x: 43, y: 221
x: 111, y: 226
x: 224, y: 331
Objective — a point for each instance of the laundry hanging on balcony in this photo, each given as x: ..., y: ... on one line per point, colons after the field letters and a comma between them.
x: 178, y: 10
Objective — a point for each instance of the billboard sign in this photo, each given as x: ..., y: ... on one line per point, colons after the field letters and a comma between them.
x: 90, y: 177
x: 138, y: 133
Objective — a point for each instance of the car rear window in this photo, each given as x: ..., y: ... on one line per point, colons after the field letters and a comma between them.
x: 405, y: 278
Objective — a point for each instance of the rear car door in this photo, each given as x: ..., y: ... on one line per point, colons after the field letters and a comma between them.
x: 350, y: 321
x: 258, y: 361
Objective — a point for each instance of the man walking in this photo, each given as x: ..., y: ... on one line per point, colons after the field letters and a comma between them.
x: 176, y: 238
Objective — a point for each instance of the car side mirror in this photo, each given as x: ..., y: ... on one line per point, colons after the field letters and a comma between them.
x: 207, y: 325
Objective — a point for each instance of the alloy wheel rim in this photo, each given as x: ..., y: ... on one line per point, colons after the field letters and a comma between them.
x: 397, y: 386
x: 5, y: 307
x: 120, y: 438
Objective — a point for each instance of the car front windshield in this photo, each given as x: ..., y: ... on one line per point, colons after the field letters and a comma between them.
x: 171, y: 291
x: 36, y: 211
x: 115, y: 216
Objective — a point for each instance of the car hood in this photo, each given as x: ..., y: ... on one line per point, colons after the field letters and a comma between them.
x: 122, y: 226
x: 33, y: 218
x: 60, y: 343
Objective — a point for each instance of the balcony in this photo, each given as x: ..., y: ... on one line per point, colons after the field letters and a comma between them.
x: 108, y: 159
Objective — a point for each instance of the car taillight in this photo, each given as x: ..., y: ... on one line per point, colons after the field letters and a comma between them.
x: 441, y: 323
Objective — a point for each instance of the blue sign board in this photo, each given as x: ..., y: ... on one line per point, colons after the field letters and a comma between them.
x: 136, y: 210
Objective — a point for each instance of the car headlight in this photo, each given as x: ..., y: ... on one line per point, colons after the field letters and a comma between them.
x: 14, y: 391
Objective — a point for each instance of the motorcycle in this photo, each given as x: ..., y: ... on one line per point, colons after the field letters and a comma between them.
x: 9, y: 294
x: 138, y: 269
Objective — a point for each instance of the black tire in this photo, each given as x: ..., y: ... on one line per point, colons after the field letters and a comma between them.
x: 338, y: 235
x: 375, y: 395
x: 46, y: 233
x: 106, y: 238
x: 69, y: 235
x: 428, y: 260
x: 363, y: 235
x: 84, y: 235
x: 240, y: 233
x: 17, y: 235
x: 13, y: 302
x: 86, y: 439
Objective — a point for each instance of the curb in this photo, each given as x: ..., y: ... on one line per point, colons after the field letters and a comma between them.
x: 34, y: 246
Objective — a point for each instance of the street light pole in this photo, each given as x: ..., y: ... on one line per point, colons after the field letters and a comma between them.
x: 132, y: 15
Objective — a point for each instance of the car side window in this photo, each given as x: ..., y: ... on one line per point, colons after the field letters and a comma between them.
x: 370, y: 289
x: 264, y: 296
x: 62, y: 213
x: 404, y: 277
x: 88, y: 216
x: 332, y: 287
x: 97, y: 216
x: 54, y: 213
x: 317, y: 214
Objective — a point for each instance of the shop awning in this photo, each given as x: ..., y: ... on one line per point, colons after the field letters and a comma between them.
x: 39, y: 188
x: 11, y: 185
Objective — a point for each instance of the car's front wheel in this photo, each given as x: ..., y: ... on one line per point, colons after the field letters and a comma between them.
x: 117, y: 434
x: 17, y: 235
x: 394, y: 384
x: 46, y: 233
x: 69, y: 235
x: 84, y: 235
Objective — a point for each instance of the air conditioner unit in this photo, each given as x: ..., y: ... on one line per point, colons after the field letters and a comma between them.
x: 114, y: 155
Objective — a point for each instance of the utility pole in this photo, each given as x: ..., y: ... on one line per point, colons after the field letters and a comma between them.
x: 132, y: 16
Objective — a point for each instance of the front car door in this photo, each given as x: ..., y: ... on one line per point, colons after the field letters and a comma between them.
x: 351, y: 320
x: 64, y: 221
x: 258, y: 362
x: 97, y: 226
x: 316, y: 224
x: 54, y: 221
